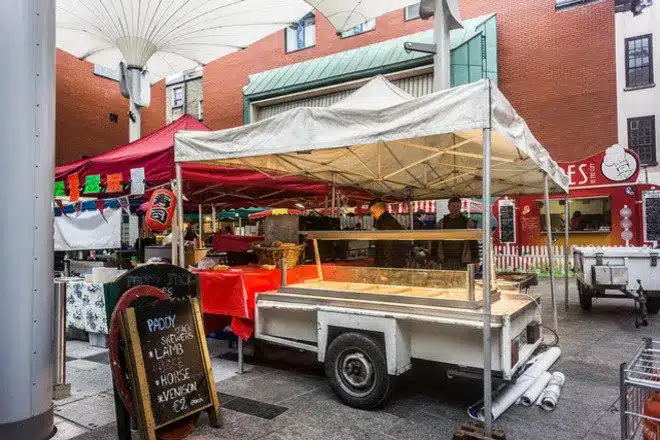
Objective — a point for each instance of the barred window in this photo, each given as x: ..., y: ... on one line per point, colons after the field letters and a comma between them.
x: 641, y: 139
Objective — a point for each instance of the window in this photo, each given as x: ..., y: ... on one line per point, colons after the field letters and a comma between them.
x: 641, y: 139
x: 360, y: 29
x: 411, y: 12
x: 301, y: 35
x: 114, y: 117
x: 200, y: 110
x: 639, y: 61
x: 177, y: 97
x: 586, y: 215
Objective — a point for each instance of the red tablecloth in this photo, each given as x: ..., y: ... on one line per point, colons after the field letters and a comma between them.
x: 233, y: 243
x: 232, y: 292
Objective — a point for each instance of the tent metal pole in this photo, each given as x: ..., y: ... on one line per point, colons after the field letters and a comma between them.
x: 441, y: 59
x: 548, y: 230
x: 334, y: 193
x: 175, y: 222
x: 179, y: 213
x: 486, y: 269
x: 566, y: 225
x: 201, y: 225
x: 214, y: 223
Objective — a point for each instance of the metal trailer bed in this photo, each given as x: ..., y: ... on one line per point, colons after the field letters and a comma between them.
x: 367, y: 330
x: 633, y: 271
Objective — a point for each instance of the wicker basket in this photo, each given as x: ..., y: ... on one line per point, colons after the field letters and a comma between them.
x: 273, y: 255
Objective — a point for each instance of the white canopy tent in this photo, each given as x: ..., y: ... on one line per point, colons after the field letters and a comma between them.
x: 466, y: 141
x: 390, y: 144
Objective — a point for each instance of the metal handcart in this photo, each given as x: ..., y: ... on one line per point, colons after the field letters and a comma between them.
x: 639, y: 378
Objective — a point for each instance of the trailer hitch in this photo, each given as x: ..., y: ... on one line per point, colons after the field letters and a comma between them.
x: 641, y: 299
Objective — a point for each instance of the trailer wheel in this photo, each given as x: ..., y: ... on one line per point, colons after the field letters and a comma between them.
x: 356, y: 368
x: 653, y: 305
x: 585, y: 296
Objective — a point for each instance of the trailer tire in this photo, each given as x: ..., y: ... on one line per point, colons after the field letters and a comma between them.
x: 653, y: 305
x: 356, y: 367
x: 585, y: 296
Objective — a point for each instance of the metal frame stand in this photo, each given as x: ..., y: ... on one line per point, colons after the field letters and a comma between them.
x: 61, y: 390
x: 179, y: 215
x: 488, y: 385
x: 548, y: 229
x: 567, y: 212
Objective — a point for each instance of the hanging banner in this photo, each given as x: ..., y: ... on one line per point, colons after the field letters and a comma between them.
x: 113, y: 183
x: 137, y: 181
x: 124, y: 204
x: 60, y: 191
x: 88, y: 231
x: 93, y: 184
x: 74, y: 187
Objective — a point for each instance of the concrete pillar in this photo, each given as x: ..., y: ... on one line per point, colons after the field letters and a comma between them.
x: 27, y: 156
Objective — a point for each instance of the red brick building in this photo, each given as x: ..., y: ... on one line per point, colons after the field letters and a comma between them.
x: 555, y: 64
x: 86, y: 106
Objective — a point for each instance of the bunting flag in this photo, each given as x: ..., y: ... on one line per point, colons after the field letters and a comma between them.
x: 125, y: 204
x: 93, y: 184
x: 60, y: 191
x: 137, y: 181
x: 77, y: 207
x: 100, y: 205
x: 74, y: 187
x: 113, y: 183
x: 61, y: 206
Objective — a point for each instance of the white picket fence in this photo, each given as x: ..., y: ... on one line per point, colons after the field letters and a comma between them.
x: 511, y: 258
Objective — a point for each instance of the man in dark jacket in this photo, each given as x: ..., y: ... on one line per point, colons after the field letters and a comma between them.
x: 389, y: 253
x: 457, y: 254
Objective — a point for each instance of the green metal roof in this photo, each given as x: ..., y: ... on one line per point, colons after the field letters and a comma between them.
x: 384, y: 57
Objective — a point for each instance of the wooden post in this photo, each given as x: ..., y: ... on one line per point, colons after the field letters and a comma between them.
x: 317, y: 259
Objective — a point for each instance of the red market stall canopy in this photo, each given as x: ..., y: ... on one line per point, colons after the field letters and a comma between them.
x: 228, y: 187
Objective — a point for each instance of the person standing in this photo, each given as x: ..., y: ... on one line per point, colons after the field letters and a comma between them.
x: 457, y: 254
x: 389, y: 253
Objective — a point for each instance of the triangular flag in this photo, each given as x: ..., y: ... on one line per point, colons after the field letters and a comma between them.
x: 100, y: 204
x: 77, y: 207
x: 113, y: 183
x: 74, y: 187
x: 61, y: 206
x: 137, y: 181
x: 125, y: 205
x: 59, y: 189
x: 93, y: 184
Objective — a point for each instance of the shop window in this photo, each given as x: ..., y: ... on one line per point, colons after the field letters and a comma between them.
x: 301, y: 35
x: 641, y: 139
x: 411, y: 12
x: 360, y: 29
x: 585, y: 215
x: 639, y: 61
x: 177, y: 97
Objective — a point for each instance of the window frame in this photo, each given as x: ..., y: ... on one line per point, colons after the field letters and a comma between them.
x: 650, y: 83
x: 343, y: 35
x: 405, y: 13
x: 654, y: 150
x: 286, y: 29
x: 174, y: 99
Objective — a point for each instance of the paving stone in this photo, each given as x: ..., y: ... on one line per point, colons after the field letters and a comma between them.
x: 86, y: 383
x: 273, y: 387
x: 67, y: 430
x: 84, y: 364
x: 108, y: 432
x: 609, y: 423
x: 82, y: 349
x: 91, y: 412
x: 423, y: 426
x: 224, y: 369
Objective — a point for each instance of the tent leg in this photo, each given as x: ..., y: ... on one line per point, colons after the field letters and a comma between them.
x: 175, y: 228
x: 179, y: 213
x: 566, y: 224
x: 548, y: 228
x: 201, y: 225
x: 488, y: 387
x: 214, y: 223
x: 334, y: 194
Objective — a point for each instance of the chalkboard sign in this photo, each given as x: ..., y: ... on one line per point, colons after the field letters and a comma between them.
x: 169, y: 363
x: 174, y: 280
x: 651, y: 204
x: 507, y: 210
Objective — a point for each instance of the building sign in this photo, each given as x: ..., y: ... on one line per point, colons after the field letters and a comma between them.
x: 614, y: 165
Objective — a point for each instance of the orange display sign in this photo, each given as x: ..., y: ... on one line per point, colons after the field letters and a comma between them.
x: 113, y: 183
x: 74, y: 188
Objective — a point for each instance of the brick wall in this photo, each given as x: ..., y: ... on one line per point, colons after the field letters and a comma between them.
x: 84, y: 102
x: 556, y: 67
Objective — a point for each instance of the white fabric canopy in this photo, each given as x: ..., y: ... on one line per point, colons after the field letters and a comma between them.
x: 88, y: 230
x: 170, y: 36
x: 430, y: 145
